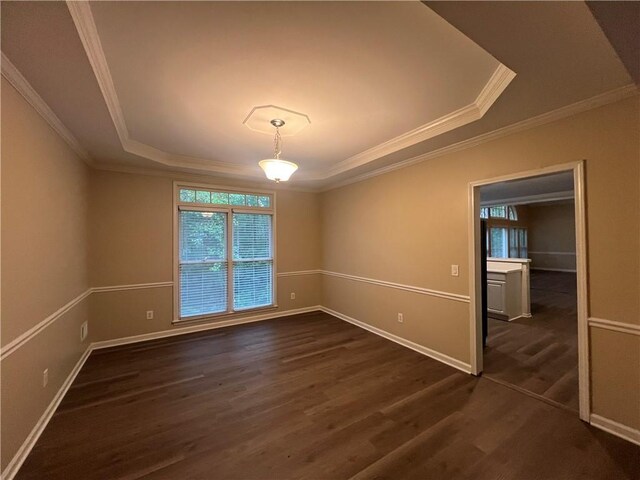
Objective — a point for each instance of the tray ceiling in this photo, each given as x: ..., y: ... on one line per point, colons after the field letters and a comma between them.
x: 168, y: 84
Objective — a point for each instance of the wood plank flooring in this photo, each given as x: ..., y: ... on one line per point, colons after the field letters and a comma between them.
x: 540, y: 354
x: 307, y: 397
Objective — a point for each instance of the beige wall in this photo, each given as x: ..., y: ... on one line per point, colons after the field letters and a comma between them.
x: 410, y: 226
x: 615, y: 376
x: 44, y: 263
x: 552, y: 236
x: 97, y: 228
x: 132, y: 243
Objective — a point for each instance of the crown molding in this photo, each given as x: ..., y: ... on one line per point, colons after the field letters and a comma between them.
x: 600, y: 100
x: 496, y: 84
x: 529, y: 199
x: 15, y: 78
x: 88, y: 32
x: 182, y: 174
x: 83, y: 20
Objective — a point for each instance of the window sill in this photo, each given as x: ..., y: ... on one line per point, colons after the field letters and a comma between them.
x: 223, y: 316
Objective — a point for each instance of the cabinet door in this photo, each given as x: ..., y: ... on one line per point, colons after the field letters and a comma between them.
x: 496, y: 296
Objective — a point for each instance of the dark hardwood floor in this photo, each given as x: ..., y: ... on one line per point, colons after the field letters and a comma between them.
x: 307, y: 397
x: 540, y: 354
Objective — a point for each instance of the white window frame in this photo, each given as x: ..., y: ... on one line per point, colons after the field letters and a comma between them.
x: 229, y: 210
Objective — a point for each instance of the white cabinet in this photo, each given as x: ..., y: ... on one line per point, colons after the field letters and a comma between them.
x: 504, y: 294
x: 504, y: 290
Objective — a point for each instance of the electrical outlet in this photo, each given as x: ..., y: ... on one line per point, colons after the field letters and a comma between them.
x: 293, y: 295
x: 454, y: 270
x: 45, y: 377
x: 400, y: 318
x: 84, y: 331
x: 149, y: 314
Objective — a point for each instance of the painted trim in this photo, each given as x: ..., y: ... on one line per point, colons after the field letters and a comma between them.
x: 16, y: 343
x: 12, y: 346
x: 16, y: 462
x: 187, y: 176
x: 202, y: 327
x: 623, y: 327
x: 399, y: 286
x: 582, y: 272
x: 88, y: 32
x: 540, y: 198
x: 23, y: 452
x: 24, y: 88
x: 496, y: 84
x: 618, y: 429
x: 135, y: 286
x: 475, y: 314
x: 581, y: 106
x: 18, y: 459
x: 383, y: 283
x: 441, y: 357
x: 298, y: 273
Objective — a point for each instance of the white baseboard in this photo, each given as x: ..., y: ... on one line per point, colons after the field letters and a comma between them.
x: 16, y: 462
x: 441, y: 357
x: 618, y: 429
x: 202, y: 327
x: 24, y: 450
x: 26, y: 447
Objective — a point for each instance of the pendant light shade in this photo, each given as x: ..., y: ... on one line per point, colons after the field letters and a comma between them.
x: 277, y: 170
x: 274, y: 168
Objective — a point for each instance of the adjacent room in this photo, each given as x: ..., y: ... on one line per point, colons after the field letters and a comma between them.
x: 320, y: 240
x: 530, y: 305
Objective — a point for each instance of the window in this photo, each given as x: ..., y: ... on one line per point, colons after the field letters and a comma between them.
x: 503, y: 240
x: 252, y: 261
x: 498, y: 242
x: 224, y: 258
x: 203, y: 263
x: 518, y: 242
x: 498, y: 212
x: 506, y: 212
x: 507, y: 242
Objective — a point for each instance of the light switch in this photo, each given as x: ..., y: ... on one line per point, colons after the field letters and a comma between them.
x: 454, y: 270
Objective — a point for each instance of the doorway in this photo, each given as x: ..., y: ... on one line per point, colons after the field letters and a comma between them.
x: 536, y: 330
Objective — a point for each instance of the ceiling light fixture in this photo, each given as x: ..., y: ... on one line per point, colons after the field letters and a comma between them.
x: 275, y: 168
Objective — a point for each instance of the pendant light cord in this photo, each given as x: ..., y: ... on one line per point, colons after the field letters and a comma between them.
x: 277, y: 145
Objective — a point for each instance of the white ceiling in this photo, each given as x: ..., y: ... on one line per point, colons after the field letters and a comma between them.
x: 557, y: 186
x: 166, y: 85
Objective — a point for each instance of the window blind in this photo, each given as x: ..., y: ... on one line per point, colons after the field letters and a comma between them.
x: 498, y: 241
x: 202, y: 262
x: 252, y: 260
